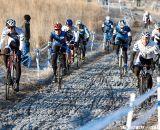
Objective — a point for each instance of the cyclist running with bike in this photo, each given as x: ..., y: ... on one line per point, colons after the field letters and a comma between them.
x: 148, y: 52
x: 56, y: 44
x: 70, y: 36
x: 147, y: 19
x: 15, y: 42
x: 122, y: 36
x: 107, y: 28
x: 82, y: 36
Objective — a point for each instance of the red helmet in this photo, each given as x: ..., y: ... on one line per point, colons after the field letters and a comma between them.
x: 57, y: 26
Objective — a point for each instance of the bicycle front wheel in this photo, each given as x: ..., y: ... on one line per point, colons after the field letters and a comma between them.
x: 59, y: 75
x: 8, y: 82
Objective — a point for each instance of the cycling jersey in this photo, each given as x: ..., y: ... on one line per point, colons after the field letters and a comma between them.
x: 147, y: 52
x: 18, y: 35
x: 82, y: 33
x: 122, y: 34
x: 70, y: 34
x: 147, y: 17
x: 156, y: 36
x: 107, y: 26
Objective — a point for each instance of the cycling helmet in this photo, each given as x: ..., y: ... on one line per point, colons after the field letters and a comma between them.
x: 27, y: 17
x: 107, y: 18
x: 57, y: 26
x: 121, y: 23
x: 146, y: 34
x: 78, y: 22
x: 69, y: 22
x: 157, y: 25
x: 10, y: 23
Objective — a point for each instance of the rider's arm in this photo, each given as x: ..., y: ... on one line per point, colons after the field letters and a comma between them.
x: 87, y: 33
x: 3, y: 36
x: 76, y: 35
x: 21, y: 37
x: 144, y: 18
x: 150, y: 18
x: 102, y: 27
x: 129, y: 36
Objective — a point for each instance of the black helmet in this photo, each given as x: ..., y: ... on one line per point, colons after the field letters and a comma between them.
x: 27, y: 17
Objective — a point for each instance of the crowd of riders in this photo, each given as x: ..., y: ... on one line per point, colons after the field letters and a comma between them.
x: 68, y: 37
x: 146, y: 49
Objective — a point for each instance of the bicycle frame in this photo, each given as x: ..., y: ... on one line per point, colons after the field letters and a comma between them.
x: 143, y: 81
x: 107, y: 41
x: 59, y: 68
x: 10, y: 75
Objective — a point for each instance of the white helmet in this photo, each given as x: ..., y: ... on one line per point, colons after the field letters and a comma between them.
x: 78, y: 22
x: 121, y: 23
x: 145, y: 34
x: 107, y: 18
x: 146, y: 12
x: 157, y: 25
x: 10, y: 23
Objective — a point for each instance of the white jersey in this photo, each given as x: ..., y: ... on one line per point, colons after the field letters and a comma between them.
x: 147, y: 52
x: 5, y: 34
x: 156, y: 35
x: 146, y: 17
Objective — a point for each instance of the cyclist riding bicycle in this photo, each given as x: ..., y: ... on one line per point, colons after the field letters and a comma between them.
x: 70, y: 35
x: 147, y: 19
x: 57, y: 43
x: 122, y: 36
x: 107, y: 28
x: 156, y: 34
x: 82, y: 35
x: 148, y: 52
x: 15, y: 42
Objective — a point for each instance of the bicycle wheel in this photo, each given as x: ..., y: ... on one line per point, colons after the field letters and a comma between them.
x: 13, y: 77
x: 8, y: 76
x: 121, y: 64
x: 59, y: 74
x: 107, y: 47
x: 142, y: 85
x: 78, y: 57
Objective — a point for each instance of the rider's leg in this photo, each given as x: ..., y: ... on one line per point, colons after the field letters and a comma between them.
x: 18, y: 69
x: 54, y: 63
x: 5, y: 57
x: 125, y: 56
x: 83, y: 50
x: 117, y: 47
x: 136, y: 71
x: 104, y: 40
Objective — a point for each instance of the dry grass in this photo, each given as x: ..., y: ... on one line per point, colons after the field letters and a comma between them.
x: 45, y: 13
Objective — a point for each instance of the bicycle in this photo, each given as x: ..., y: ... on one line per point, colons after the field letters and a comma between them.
x: 60, y: 67
x: 10, y: 79
x: 145, y: 79
x: 106, y: 44
x: 78, y: 54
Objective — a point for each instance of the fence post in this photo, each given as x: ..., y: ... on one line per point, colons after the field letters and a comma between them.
x: 158, y: 96
x: 120, y: 6
x: 108, y: 4
x: 37, y: 58
x: 130, y: 113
